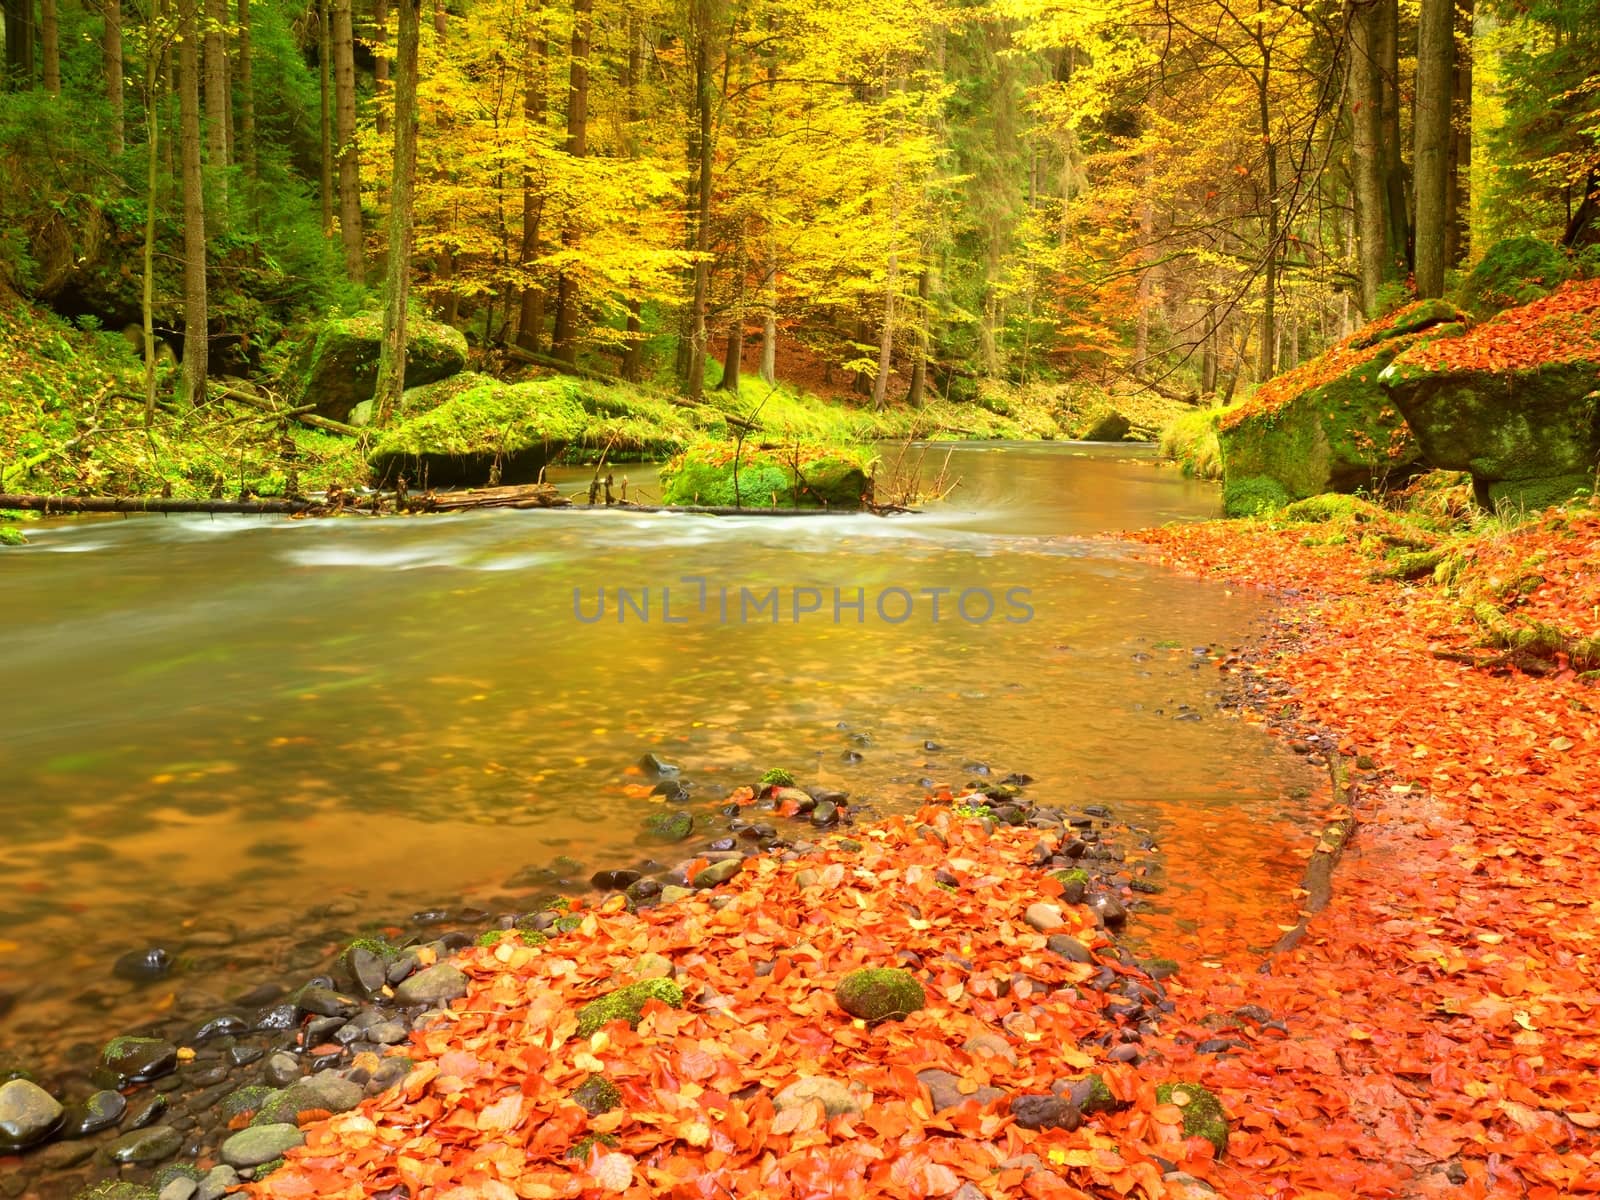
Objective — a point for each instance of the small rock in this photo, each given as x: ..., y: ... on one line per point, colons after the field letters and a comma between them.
x: 669, y: 826
x: 146, y: 1111
x: 326, y: 1091
x: 325, y: 1002
x: 1183, y: 1186
x: 944, y: 1090
x: 1045, y: 1112
x: 179, y: 1188
x: 144, y: 1146
x: 138, y: 1060
x: 390, y: 1072
x: 615, y: 880
x: 28, y: 1115
x: 1043, y: 917
x: 991, y: 1045
x: 387, y: 1033
x: 260, y: 1144
x: 243, y: 1056
x: 367, y: 968
x: 1109, y: 909
x: 719, y: 872
x: 281, y: 1069
x: 880, y: 994
x: 671, y: 893
x: 1069, y: 948
x: 436, y: 985
x: 837, y: 1098
x: 825, y: 813
x: 143, y: 966
x: 217, y: 1183
x: 656, y: 768
x: 63, y: 1155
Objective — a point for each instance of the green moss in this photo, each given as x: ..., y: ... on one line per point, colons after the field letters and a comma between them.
x: 1518, y: 270
x: 1253, y: 496
x: 245, y: 1100
x: 1202, y: 1112
x: 596, y: 1095
x: 567, y: 923
x: 267, y: 1168
x: 627, y: 1004
x: 801, y: 474
x: 1072, y: 876
x: 1332, y: 506
x: 777, y: 777
x: 880, y: 994
x: 585, y: 1145
x: 10, y: 535
x: 970, y: 811
x: 378, y: 946
x: 490, y: 938
x: 117, y: 1189
x: 532, y: 938
x: 1100, y: 1099
x: 165, y: 1175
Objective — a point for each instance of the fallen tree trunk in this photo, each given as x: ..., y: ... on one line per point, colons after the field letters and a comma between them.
x: 239, y: 396
x: 153, y: 504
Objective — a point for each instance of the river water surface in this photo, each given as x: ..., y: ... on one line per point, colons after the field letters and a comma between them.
x: 211, y: 726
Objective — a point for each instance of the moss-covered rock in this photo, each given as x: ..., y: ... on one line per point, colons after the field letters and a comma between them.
x: 417, y: 400
x: 1513, y: 272
x: 337, y: 368
x: 117, y: 1189
x: 10, y: 535
x: 1516, y: 402
x: 1095, y: 1096
x: 777, y: 777
x: 584, y: 1146
x: 627, y: 1004
x: 1328, y: 425
x: 1103, y: 424
x: 1202, y: 1112
x: 674, y: 826
x: 802, y: 475
x: 596, y: 1095
x: 1253, y: 496
x: 880, y: 994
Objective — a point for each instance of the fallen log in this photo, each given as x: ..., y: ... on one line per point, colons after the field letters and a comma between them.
x: 51, y: 505
x: 240, y: 396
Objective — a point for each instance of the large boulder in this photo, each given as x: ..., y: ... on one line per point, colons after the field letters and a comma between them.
x: 1327, y: 425
x: 1515, y: 402
x: 791, y: 476
x: 1516, y: 271
x: 338, y: 368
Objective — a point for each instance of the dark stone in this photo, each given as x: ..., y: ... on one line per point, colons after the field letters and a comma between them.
x: 207, y: 1075
x: 224, y: 1026
x: 100, y: 1111
x: 1217, y: 1046
x: 145, y: 1146
x: 1045, y: 1112
x: 674, y: 791
x: 277, y: 1019
x: 325, y: 1002
x: 28, y: 1114
x: 1069, y: 948
x: 1097, y: 810
x: 615, y: 880
x: 1109, y: 909
x: 138, y: 1060
x: 723, y: 843
x: 281, y: 1069
x: 643, y: 890
x: 145, y: 1112
x: 436, y: 985
x: 851, y: 757
x: 367, y: 969
x: 432, y: 916
x: 1148, y: 887
x: 656, y: 768
x: 944, y: 1090
x: 825, y: 813
x: 143, y: 966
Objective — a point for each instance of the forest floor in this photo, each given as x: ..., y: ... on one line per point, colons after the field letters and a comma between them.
x: 1433, y: 1034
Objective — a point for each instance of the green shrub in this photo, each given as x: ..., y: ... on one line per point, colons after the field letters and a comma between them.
x: 1191, y: 442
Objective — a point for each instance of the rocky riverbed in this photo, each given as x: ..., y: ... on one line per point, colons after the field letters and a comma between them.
x: 191, y: 1105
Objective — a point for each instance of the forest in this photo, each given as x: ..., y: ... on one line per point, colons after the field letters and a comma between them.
x: 1020, y: 207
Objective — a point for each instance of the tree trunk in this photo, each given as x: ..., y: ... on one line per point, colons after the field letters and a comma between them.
x: 1396, y: 184
x: 217, y: 99
x: 700, y: 22
x: 530, y: 322
x: 397, y: 276
x: 247, y: 96
x: 344, y: 87
x: 19, y: 44
x: 1458, y: 181
x: 565, y: 340
x: 1431, y: 129
x: 919, y: 368
x: 111, y: 57
x: 880, y: 382
x: 195, y: 346
x: 1208, y: 356
x: 325, y: 111
x: 380, y: 66
x: 50, y: 41
x: 153, y: 79
x: 1269, y: 275
x: 1366, y: 120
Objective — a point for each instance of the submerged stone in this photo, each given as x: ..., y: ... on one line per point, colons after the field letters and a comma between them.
x: 28, y: 1115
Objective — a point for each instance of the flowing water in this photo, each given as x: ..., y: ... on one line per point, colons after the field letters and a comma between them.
x: 209, y: 726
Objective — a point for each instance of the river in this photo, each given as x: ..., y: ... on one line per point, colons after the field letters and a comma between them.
x: 212, y: 726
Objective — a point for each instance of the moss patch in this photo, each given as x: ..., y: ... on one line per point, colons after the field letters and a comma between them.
x: 1253, y: 496
x: 1191, y: 441
x: 337, y: 366
x: 1513, y: 272
x: 627, y: 1004
x: 802, y: 475
x: 1202, y: 1112
x: 880, y: 994
x: 596, y: 1095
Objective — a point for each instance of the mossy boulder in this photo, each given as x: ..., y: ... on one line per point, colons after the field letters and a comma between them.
x: 417, y: 400
x: 338, y: 367
x: 1516, y: 402
x: 1202, y: 1112
x: 627, y: 1004
x: 1328, y: 425
x: 1253, y: 496
x: 803, y: 475
x: 880, y: 994
x: 507, y: 431
x: 1514, y: 272
x: 1103, y: 423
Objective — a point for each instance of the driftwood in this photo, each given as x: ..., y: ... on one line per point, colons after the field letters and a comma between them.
x: 255, y: 400
x: 1318, y: 881
x: 154, y: 504
x: 533, y: 495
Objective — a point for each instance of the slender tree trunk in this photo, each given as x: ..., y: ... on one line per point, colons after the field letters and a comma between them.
x: 1366, y: 120
x: 1458, y: 183
x: 530, y: 323
x: 247, y: 96
x: 769, y: 348
x: 153, y: 79
x: 195, y: 344
x: 397, y: 276
x: 344, y: 86
x: 701, y: 19
x: 1396, y: 183
x: 1431, y: 126
x: 1269, y: 275
x: 325, y: 111
x: 919, y: 368
x: 565, y: 340
x: 1208, y: 356
x: 19, y: 44
x: 880, y: 382
x: 217, y: 99
x: 50, y: 40
x: 633, y: 351
x: 111, y: 58
x: 380, y: 68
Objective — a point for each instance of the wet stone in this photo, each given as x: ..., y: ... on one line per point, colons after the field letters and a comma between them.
x: 276, y: 1019
x: 718, y: 873
x: 826, y: 812
x: 654, y: 767
x: 143, y: 966
x: 281, y: 1069
x: 436, y: 985
x: 260, y: 1144
x: 93, y: 1114
x: 1045, y: 1112
x: 243, y: 1056
x: 63, y: 1155
x: 367, y: 969
x: 1109, y: 909
x: 613, y: 881
x: 138, y: 1060
x: 224, y: 1026
x: 28, y: 1114
x: 145, y: 1111
x: 325, y: 1002
x: 144, y: 1146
